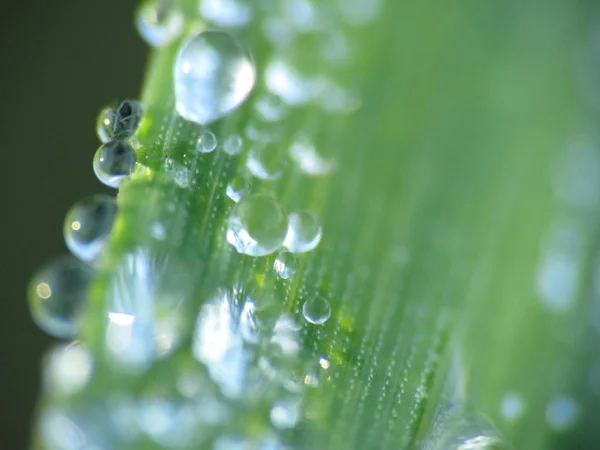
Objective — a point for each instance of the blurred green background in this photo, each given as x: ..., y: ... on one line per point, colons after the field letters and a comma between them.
x: 60, y: 62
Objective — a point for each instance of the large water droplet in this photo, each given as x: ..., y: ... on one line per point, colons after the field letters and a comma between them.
x: 213, y: 76
x: 207, y: 142
x: 56, y: 294
x: 304, y: 232
x: 159, y: 22
x: 88, y: 225
x: 266, y: 161
x: 257, y: 225
x: 285, y: 264
x: 316, y: 310
x: 113, y: 162
x: 120, y: 122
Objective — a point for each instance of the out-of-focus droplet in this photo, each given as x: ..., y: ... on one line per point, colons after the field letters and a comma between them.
x: 271, y: 107
x: 257, y: 225
x: 237, y: 188
x: 233, y: 145
x: 285, y: 264
x: 266, y: 160
x: 226, y: 13
x: 88, y: 225
x: 213, y: 76
x: 284, y: 414
x: 309, y: 160
x: 207, y: 142
x: 316, y: 310
x: 304, y: 232
x: 113, y: 162
x: 67, y: 369
x: 57, y: 293
x: 159, y: 22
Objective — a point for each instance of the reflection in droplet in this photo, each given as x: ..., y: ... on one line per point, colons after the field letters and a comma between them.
x: 308, y: 159
x: 304, y: 232
x: 213, y: 76
x: 207, y: 142
x: 266, y: 161
x: 316, y: 310
x: 113, y: 162
x: 57, y: 293
x: 88, y: 225
x: 159, y: 22
x: 119, y: 123
x: 257, y: 225
x: 285, y: 264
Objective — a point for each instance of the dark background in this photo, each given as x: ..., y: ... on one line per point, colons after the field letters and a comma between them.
x: 60, y: 63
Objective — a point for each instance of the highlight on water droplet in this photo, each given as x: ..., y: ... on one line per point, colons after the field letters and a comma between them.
x: 88, y: 225
x: 257, y: 225
x: 304, y: 232
x: 266, y: 161
x: 113, y: 162
x: 237, y: 188
x: 233, y: 145
x: 207, y: 142
x: 213, y: 76
x: 56, y: 294
x: 159, y: 22
x: 285, y: 264
x: 316, y: 310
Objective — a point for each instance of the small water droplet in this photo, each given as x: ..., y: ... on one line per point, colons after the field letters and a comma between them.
x: 304, y: 232
x: 512, y: 406
x: 284, y: 414
x: 266, y: 161
x: 158, y: 231
x: 213, y: 76
x: 226, y: 13
x: 308, y: 159
x: 562, y: 412
x: 316, y: 310
x: 285, y: 264
x: 88, y: 225
x: 236, y: 188
x: 207, y: 142
x: 233, y: 145
x: 113, y: 162
x: 57, y: 293
x: 257, y: 225
x: 159, y: 22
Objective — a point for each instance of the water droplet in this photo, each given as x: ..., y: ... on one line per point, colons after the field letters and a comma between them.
x: 452, y: 429
x: 512, y: 407
x: 266, y: 161
x: 562, y: 412
x: 271, y: 107
x: 284, y: 414
x: 57, y: 293
x: 213, y: 76
x: 159, y: 22
x: 257, y: 225
x: 113, y: 162
x: 119, y: 123
x: 316, y: 310
x: 304, y: 232
x: 226, y: 13
x: 88, y: 225
x: 285, y: 264
x: 105, y: 124
x: 67, y: 369
x: 158, y: 231
x: 207, y: 142
x: 309, y: 160
x: 236, y: 188
x: 180, y: 174
x: 233, y: 145
x: 284, y: 81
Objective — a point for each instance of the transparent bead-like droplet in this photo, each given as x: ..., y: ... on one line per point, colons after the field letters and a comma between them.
x: 207, y: 142
x: 120, y: 122
x: 233, y: 145
x: 56, y: 294
x: 159, y: 22
x: 213, y: 76
x: 266, y: 161
x: 304, y: 232
x: 316, y: 310
x: 257, y: 225
x: 114, y: 161
x: 88, y: 225
x: 285, y: 264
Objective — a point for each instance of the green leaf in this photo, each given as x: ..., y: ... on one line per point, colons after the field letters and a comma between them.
x: 457, y: 251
